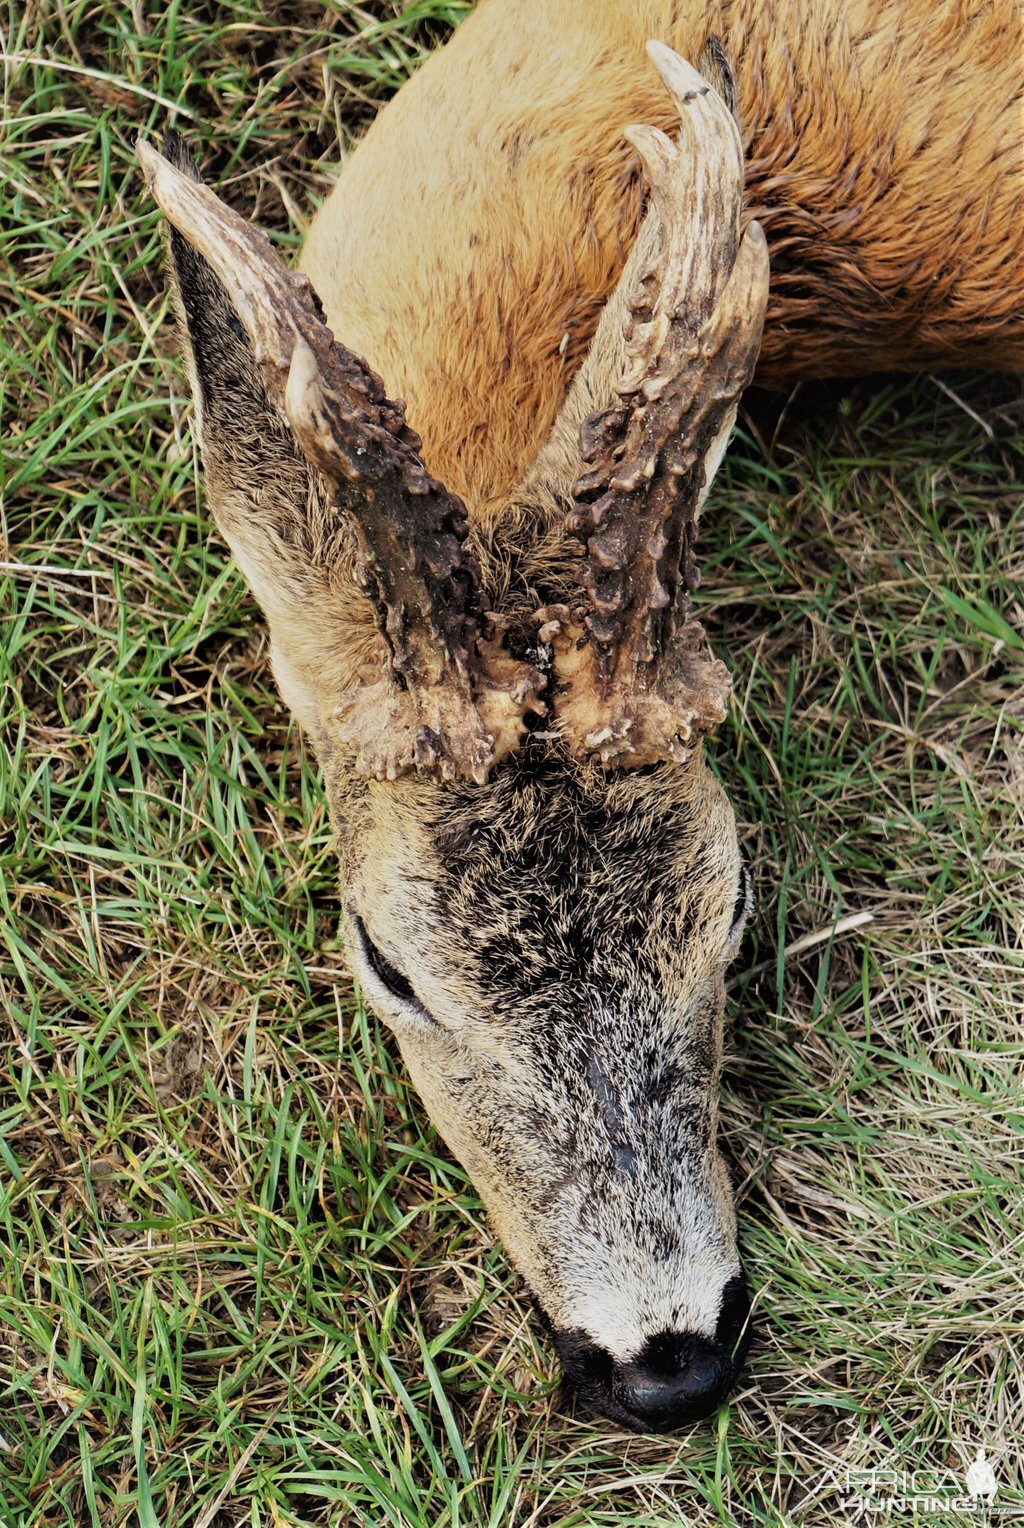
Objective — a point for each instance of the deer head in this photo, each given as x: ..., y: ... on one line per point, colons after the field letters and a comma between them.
x: 541, y: 877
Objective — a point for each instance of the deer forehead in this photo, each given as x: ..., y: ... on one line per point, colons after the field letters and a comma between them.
x: 548, y: 877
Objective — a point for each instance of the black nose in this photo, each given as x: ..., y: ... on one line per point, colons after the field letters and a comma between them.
x: 677, y: 1377
x: 681, y: 1378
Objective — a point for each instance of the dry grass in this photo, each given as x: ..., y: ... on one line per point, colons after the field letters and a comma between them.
x: 239, y: 1280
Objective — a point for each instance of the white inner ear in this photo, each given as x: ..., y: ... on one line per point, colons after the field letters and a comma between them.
x: 713, y: 460
x: 298, y: 694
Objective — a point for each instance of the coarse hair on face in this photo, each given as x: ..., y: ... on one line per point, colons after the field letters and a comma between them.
x: 550, y: 951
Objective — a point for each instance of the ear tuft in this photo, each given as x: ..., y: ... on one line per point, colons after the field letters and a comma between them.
x: 177, y: 152
x: 714, y: 65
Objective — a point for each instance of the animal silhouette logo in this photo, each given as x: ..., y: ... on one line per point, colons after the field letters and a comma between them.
x: 981, y: 1477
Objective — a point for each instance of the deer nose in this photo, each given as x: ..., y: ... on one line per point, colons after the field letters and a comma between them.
x: 657, y: 1401
x: 682, y: 1376
x: 677, y: 1377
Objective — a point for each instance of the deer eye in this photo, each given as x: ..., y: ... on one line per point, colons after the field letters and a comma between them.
x: 387, y: 973
x: 397, y: 984
x: 389, y: 976
x: 744, y: 900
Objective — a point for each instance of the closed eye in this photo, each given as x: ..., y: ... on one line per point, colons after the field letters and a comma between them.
x: 744, y: 898
x: 389, y: 976
x: 742, y: 909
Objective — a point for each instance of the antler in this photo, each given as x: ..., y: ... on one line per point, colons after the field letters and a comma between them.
x: 446, y: 696
x: 634, y: 683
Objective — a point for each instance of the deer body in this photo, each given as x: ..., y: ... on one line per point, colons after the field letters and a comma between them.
x: 474, y: 237
x: 499, y: 670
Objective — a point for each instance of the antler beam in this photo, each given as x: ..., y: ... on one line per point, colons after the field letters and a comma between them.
x: 635, y: 685
x: 447, y: 697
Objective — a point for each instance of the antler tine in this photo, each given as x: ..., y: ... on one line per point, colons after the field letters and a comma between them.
x: 635, y: 685
x: 447, y: 697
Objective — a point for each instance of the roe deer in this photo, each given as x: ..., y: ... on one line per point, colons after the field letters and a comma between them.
x: 487, y: 636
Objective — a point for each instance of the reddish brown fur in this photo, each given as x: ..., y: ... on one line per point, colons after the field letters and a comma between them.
x: 471, y: 243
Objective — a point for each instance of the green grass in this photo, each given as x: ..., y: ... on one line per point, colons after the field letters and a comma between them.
x: 240, y: 1280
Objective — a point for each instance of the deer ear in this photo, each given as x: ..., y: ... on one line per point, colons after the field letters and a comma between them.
x: 260, y: 486
x: 357, y: 555
x: 227, y: 387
